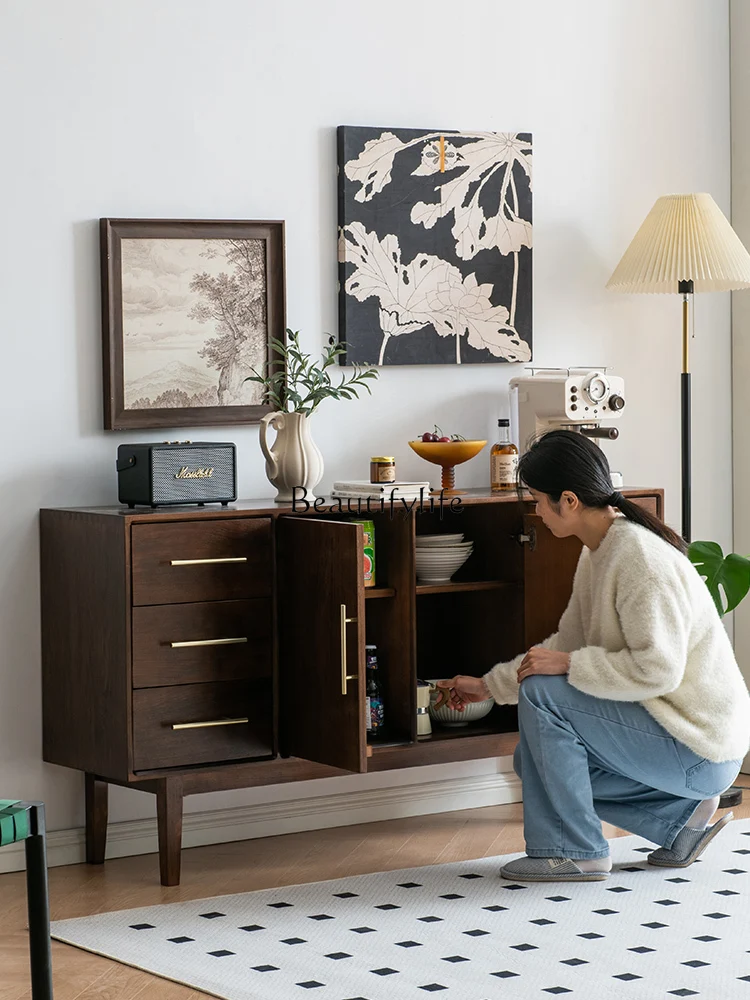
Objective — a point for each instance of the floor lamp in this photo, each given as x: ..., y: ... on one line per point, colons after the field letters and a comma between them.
x: 685, y: 245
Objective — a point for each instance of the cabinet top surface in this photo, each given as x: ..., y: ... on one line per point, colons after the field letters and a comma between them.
x: 324, y: 505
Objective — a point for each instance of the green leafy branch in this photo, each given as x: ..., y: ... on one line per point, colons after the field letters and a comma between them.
x: 727, y: 577
x: 299, y: 385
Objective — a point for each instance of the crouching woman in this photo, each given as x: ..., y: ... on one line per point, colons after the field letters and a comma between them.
x: 634, y: 711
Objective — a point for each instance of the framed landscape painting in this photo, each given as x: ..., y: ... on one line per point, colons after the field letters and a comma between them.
x: 189, y: 308
x: 435, y: 246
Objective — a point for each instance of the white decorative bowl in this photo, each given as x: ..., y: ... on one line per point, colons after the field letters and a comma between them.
x: 428, y: 541
x: 439, y: 566
x: 451, y: 716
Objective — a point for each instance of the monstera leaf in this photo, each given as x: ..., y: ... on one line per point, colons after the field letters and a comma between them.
x: 727, y: 577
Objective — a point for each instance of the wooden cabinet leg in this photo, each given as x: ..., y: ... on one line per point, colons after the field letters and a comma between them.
x: 97, y: 810
x: 169, y: 813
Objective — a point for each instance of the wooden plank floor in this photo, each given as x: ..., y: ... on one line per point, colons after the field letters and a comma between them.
x: 78, y: 890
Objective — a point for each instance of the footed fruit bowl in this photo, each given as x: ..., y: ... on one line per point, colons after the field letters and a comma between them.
x: 447, y: 454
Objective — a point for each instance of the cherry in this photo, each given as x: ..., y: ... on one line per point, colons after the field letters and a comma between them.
x: 427, y: 436
x: 444, y: 438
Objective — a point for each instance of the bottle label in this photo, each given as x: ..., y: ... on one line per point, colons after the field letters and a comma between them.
x: 368, y: 715
x: 504, y: 469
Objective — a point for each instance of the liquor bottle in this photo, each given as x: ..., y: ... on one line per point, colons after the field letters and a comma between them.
x: 374, y: 713
x: 503, y: 460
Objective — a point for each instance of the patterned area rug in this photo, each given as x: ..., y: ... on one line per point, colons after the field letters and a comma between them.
x: 458, y: 931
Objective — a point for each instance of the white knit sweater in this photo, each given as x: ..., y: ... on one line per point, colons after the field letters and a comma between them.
x: 641, y: 626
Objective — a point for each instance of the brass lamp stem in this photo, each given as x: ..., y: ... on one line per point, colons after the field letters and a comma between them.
x: 685, y: 334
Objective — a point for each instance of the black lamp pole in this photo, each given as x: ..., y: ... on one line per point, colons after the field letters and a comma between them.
x: 685, y: 288
x: 733, y: 795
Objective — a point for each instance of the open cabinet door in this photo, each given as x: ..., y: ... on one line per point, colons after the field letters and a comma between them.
x: 321, y: 614
x: 549, y: 567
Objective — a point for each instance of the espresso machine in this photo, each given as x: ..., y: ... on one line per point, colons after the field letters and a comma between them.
x: 585, y: 400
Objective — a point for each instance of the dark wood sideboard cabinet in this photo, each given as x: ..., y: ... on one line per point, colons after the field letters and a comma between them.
x: 198, y: 649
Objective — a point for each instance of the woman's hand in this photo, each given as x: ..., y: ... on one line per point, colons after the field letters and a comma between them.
x: 539, y: 660
x: 461, y: 690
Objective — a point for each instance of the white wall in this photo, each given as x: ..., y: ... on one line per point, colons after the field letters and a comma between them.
x: 184, y: 109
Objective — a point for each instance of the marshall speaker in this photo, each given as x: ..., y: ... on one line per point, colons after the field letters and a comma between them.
x: 177, y: 472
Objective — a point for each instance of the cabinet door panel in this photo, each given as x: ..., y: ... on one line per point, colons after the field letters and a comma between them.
x: 201, y: 560
x: 549, y: 567
x: 320, y: 575
x: 199, y: 643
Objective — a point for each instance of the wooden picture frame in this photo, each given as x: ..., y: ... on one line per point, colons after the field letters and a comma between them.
x: 188, y: 306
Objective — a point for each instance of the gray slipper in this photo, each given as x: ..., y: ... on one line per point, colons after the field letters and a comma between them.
x: 688, y: 845
x: 548, y: 870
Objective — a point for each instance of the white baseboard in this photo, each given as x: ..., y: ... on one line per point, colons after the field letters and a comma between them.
x: 67, y: 847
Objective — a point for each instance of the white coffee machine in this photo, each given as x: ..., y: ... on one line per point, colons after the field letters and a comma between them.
x: 575, y: 399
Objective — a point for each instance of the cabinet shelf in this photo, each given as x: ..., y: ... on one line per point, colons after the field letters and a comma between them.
x: 452, y: 587
x: 380, y: 592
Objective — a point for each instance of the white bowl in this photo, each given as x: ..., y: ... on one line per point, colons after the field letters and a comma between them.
x: 440, y: 568
x: 425, y: 541
x: 451, y: 716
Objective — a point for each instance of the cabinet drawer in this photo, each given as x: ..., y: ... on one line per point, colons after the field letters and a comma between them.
x: 199, y: 643
x: 156, y: 711
x: 212, y: 560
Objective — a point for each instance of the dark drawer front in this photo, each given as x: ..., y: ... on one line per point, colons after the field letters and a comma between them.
x: 156, y: 711
x: 199, y: 643
x: 213, y: 560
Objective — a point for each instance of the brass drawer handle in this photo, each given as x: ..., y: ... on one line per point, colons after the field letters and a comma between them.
x: 208, y: 642
x: 344, y: 676
x: 204, y: 562
x: 205, y: 725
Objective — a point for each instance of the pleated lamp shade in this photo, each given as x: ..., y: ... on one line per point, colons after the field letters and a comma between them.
x: 685, y: 237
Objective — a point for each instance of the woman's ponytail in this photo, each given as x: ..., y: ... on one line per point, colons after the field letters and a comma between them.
x: 566, y: 460
x: 635, y: 512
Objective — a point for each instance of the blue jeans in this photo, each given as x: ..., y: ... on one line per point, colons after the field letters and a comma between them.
x: 584, y: 759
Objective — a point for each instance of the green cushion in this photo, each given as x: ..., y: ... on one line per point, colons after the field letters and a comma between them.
x: 14, y: 822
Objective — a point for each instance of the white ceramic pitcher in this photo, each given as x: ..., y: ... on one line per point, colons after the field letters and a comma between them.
x: 294, y: 458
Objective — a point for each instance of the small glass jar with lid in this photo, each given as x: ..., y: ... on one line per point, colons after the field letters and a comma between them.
x: 383, y: 469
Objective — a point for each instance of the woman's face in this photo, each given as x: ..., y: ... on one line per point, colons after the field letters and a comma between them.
x: 559, y: 518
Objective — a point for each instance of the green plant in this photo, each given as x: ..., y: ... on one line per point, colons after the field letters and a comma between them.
x: 300, y: 384
x: 727, y: 577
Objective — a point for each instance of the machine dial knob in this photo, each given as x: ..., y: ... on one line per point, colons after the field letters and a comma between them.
x: 616, y: 402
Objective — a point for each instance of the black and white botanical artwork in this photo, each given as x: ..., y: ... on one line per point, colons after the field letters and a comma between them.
x: 435, y: 245
x: 193, y: 321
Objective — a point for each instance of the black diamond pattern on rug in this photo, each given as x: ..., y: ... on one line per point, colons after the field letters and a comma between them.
x: 443, y: 938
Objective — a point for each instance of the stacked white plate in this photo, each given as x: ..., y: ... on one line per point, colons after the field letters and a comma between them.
x: 440, y: 556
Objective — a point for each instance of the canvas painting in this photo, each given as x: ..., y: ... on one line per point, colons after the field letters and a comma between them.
x: 435, y: 244
x: 191, y: 317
